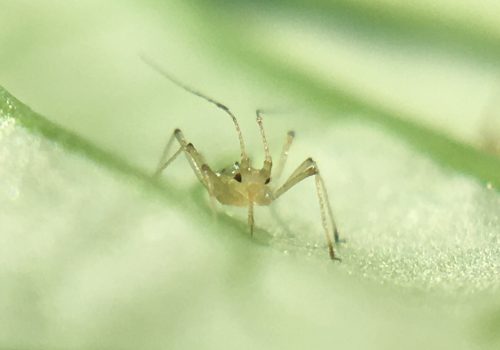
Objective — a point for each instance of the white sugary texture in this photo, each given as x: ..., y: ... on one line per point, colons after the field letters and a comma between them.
x: 75, y: 241
x: 87, y: 260
x: 406, y: 220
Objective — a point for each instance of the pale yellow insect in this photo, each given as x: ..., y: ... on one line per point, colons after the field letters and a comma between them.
x: 241, y: 184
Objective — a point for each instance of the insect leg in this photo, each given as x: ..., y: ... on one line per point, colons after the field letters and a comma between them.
x: 210, y: 177
x: 268, y: 161
x: 320, y: 188
x: 164, y: 162
x: 304, y: 170
x: 195, y: 159
x: 284, y: 155
x: 250, y: 217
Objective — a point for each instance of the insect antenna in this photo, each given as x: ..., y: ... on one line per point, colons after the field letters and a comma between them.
x: 167, y: 75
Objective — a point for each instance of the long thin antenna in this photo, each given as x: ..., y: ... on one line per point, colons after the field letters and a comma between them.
x: 160, y: 70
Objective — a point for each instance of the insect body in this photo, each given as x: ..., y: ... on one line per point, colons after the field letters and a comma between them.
x: 241, y: 184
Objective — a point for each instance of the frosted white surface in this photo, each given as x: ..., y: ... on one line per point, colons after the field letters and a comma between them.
x: 406, y: 220
x: 97, y: 262
x: 91, y: 259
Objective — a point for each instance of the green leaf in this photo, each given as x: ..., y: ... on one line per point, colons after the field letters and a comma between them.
x: 306, y: 86
x: 91, y: 255
x: 95, y: 254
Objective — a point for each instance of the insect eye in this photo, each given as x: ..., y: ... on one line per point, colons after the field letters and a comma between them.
x: 267, y: 180
x: 237, y: 177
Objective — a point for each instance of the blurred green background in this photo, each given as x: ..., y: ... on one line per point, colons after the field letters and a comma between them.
x: 397, y: 101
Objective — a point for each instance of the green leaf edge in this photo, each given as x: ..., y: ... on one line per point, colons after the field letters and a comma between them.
x: 70, y: 141
x: 38, y: 124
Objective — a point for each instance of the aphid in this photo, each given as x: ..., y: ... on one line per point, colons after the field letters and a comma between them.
x: 241, y: 184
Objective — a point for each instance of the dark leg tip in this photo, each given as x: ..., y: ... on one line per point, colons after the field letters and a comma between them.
x: 332, y: 254
x: 336, y: 236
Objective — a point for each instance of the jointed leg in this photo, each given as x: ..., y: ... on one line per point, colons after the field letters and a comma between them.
x: 263, y: 135
x: 323, y: 199
x: 250, y: 217
x: 284, y: 155
x: 320, y: 188
x: 306, y: 169
x: 163, y: 162
x: 207, y: 174
x: 195, y: 159
x: 268, y: 163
